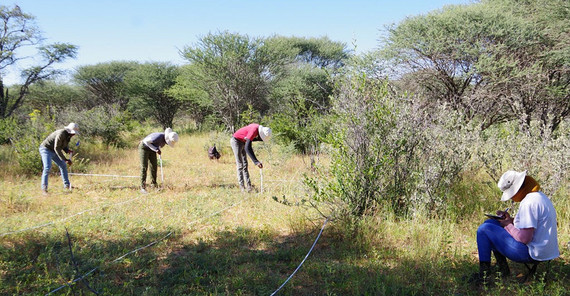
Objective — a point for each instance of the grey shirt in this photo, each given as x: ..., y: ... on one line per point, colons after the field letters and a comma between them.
x: 155, y: 141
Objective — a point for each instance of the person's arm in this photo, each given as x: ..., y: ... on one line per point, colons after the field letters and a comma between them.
x: 524, y: 235
x: 59, y: 146
x: 249, y: 151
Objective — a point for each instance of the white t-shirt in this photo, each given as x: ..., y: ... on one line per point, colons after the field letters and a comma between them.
x: 536, y: 211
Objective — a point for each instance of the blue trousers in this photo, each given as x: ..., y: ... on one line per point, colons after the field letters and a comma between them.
x: 47, y: 157
x: 492, y: 237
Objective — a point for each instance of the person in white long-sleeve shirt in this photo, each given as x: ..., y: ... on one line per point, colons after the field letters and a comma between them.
x: 149, y: 147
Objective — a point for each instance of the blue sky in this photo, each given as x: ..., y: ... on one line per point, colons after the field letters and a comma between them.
x: 155, y: 30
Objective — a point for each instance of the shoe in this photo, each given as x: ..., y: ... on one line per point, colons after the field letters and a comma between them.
x: 502, y: 264
x: 144, y: 191
x: 45, y: 192
x: 483, y: 277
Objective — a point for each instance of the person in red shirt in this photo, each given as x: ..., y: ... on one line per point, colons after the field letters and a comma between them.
x: 241, y: 145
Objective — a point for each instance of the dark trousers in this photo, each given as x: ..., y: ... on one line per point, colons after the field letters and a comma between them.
x: 147, y: 155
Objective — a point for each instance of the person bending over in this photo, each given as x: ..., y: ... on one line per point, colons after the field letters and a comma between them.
x: 241, y: 144
x: 52, y: 148
x: 149, y: 147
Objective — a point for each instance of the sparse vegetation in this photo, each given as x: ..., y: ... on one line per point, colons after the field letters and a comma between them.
x: 248, y: 249
x: 401, y: 148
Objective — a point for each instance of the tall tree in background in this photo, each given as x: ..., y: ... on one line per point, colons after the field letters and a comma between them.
x: 303, y: 86
x: 232, y: 71
x: 497, y: 60
x: 53, y: 98
x: 149, y: 85
x: 18, y: 30
x: 105, y: 82
x: 195, y: 100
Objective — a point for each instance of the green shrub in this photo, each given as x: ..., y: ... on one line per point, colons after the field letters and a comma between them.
x: 102, y: 122
x: 8, y: 127
x: 365, y: 117
x: 27, y: 140
x: 389, y: 153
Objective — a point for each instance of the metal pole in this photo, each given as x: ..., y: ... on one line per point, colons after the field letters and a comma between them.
x: 261, y: 174
x: 69, y: 171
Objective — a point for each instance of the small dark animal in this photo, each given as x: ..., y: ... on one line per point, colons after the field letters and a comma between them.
x: 213, y: 153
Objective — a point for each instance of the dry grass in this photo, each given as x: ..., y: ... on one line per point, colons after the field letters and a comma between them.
x: 220, y: 241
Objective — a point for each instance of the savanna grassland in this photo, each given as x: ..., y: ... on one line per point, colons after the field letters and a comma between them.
x: 200, y: 235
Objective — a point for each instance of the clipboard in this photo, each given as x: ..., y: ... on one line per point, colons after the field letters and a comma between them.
x: 495, y: 217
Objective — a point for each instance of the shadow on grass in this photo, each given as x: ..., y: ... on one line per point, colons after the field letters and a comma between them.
x: 242, y: 261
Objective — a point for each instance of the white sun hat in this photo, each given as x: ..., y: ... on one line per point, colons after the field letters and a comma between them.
x: 264, y: 133
x: 510, y: 183
x: 72, y: 128
x: 170, y: 137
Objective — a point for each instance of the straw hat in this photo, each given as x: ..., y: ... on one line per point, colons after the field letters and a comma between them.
x: 510, y: 183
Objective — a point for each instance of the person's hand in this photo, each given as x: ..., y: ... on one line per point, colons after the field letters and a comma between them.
x: 70, y: 151
x: 260, y: 165
x: 158, y: 152
x: 507, y: 219
x: 69, y: 162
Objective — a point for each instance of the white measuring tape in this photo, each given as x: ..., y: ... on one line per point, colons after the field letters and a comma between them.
x: 101, y: 175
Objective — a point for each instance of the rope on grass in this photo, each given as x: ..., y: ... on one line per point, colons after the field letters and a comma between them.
x: 291, y: 276
x: 103, y: 175
x: 68, y: 284
x: 67, y: 218
x: 144, y: 247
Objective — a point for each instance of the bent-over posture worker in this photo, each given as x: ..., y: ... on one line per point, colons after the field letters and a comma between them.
x: 241, y: 144
x: 52, y: 148
x: 149, y: 147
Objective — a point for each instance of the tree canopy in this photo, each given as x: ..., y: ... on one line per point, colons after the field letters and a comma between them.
x: 19, y: 30
x: 497, y: 60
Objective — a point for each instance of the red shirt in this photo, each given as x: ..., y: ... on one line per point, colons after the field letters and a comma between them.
x: 247, y: 132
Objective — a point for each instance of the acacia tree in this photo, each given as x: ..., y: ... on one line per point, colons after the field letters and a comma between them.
x: 149, y: 85
x: 18, y: 30
x: 497, y: 60
x: 52, y: 97
x: 303, y: 86
x: 105, y: 82
x: 232, y: 71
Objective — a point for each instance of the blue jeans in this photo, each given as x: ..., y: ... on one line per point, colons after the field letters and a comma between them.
x: 47, y: 157
x: 492, y: 237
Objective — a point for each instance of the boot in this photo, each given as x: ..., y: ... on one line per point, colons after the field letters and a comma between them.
x: 502, y: 264
x: 483, y: 276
